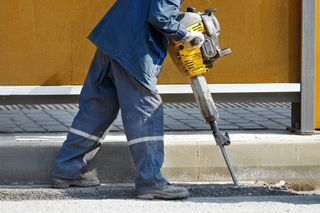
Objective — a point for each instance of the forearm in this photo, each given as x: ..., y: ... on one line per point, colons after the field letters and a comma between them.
x: 163, y: 14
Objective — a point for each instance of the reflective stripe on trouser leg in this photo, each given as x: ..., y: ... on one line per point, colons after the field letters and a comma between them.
x: 98, y: 109
x: 142, y: 117
x: 145, y: 139
x: 90, y: 155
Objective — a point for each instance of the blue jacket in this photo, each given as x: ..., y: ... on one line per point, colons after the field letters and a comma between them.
x: 135, y: 33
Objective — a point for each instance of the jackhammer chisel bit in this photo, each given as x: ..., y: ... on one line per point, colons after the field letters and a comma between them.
x: 223, y: 140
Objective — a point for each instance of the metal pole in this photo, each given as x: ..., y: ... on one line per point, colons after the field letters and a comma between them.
x: 308, y: 66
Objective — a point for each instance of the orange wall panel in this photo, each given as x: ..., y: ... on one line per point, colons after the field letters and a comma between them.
x: 44, y: 42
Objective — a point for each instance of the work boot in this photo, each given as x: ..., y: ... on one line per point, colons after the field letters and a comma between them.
x: 167, y: 192
x: 86, y: 179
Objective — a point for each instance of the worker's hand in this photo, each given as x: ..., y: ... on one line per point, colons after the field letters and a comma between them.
x: 194, y: 39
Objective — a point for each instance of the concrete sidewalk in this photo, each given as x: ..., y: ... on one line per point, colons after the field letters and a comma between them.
x: 190, y: 157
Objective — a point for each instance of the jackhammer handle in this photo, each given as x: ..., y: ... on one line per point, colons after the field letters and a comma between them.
x: 225, y: 52
x: 210, y: 10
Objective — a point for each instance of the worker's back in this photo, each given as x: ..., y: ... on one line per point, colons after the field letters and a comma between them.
x: 125, y: 34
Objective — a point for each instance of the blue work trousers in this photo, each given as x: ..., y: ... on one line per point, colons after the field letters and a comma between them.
x: 108, y: 87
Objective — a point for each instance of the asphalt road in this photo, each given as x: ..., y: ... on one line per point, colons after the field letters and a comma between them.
x: 121, y: 198
x: 272, y: 204
x: 127, y: 191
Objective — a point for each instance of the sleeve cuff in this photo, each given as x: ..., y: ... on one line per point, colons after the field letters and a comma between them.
x: 186, y: 36
x: 181, y: 34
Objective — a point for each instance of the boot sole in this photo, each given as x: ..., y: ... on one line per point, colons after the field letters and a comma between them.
x: 63, y: 184
x: 163, y: 196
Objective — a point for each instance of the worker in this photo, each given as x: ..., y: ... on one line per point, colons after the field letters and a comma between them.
x: 132, y: 42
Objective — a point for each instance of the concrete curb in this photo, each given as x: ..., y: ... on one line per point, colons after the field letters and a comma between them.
x: 190, y: 157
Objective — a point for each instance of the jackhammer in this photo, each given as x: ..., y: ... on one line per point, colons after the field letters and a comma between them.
x: 195, y: 62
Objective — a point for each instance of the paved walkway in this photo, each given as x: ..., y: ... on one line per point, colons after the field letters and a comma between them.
x: 186, y: 117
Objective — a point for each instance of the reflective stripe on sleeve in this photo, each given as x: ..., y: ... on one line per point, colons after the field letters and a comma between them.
x: 145, y: 139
